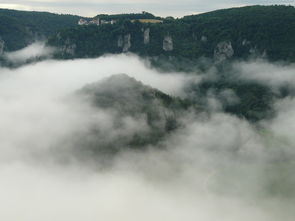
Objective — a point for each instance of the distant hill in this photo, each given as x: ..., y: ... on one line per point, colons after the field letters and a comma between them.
x: 20, y: 28
x: 130, y: 16
x: 236, y: 33
x: 127, y: 98
x: 253, y: 31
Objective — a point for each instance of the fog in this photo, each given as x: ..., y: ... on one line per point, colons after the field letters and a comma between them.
x: 33, y: 51
x: 216, y: 167
x: 273, y: 75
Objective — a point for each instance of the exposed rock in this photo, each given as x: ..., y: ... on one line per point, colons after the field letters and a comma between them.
x: 69, y: 48
x: 264, y: 54
x: 256, y: 53
x: 58, y: 36
x: 2, y: 45
x: 120, y: 41
x: 95, y: 21
x: 204, y: 39
x: 168, y: 43
x: 253, y: 51
x: 246, y: 42
x: 223, y: 51
x: 124, y: 42
x: 127, y: 43
x: 82, y: 22
x: 146, y: 36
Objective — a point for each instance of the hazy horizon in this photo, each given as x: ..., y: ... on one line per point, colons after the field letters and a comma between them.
x: 90, y: 8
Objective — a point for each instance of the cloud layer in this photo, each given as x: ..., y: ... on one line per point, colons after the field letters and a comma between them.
x: 32, y: 52
x: 216, y: 167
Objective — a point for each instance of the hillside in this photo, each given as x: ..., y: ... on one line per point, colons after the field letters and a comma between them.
x: 231, y: 33
x: 20, y: 28
x: 128, y: 100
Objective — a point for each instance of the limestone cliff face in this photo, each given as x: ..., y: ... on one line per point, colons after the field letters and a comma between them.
x: 2, y: 45
x: 256, y: 53
x: 245, y: 42
x: 204, y: 38
x: 124, y: 42
x: 223, y: 51
x: 146, y: 36
x: 168, y: 43
x: 120, y: 42
x: 69, y: 48
x: 127, y: 43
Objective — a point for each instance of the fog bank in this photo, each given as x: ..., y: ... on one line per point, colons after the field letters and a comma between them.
x: 216, y: 167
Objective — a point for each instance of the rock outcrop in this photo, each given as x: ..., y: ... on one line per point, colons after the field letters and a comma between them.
x: 223, y: 51
x: 245, y: 42
x: 146, y: 36
x: 2, y: 45
x: 127, y: 43
x: 168, y: 43
x: 69, y: 48
x: 120, y: 42
x: 204, y: 39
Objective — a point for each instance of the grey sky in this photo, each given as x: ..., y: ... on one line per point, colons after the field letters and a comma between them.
x: 163, y: 7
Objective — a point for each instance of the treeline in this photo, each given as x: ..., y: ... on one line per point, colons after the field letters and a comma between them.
x: 252, y: 31
x: 130, y: 16
x: 260, y: 28
x: 20, y: 28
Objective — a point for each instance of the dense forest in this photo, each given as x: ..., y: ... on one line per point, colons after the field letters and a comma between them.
x: 252, y: 31
x: 132, y: 99
x: 20, y: 28
x: 143, y: 15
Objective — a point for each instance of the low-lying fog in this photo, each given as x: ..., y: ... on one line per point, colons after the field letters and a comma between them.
x: 217, y: 167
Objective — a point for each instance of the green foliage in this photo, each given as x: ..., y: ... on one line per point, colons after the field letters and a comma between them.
x: 254, y: 100
x: 125, y: 97
x: 253, y: 31
x: 265, y: 28
x: 19, y: 28
x: 131, y: 16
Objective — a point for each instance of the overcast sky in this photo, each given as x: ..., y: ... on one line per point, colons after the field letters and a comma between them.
x: 163, y: 7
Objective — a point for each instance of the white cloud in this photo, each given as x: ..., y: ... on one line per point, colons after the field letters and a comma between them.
x: 33, y: 51
x: 217, y: 167
x: 273, y: 75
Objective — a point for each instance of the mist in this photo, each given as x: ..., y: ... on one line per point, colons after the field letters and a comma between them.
x: 216, y: 167
x: 34, y: 51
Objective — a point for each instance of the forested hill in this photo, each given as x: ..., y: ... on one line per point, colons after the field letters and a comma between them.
x: 124, y: 97
x: 252, y: 31
x: 20, y: 28
x: 266, y: 31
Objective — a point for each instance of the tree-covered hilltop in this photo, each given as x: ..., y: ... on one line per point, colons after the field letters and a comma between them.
x: 266, y: 29
x: 129, y: 100
x: 20, y: 28
x: 230, y: 33
x: 130, y: 16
